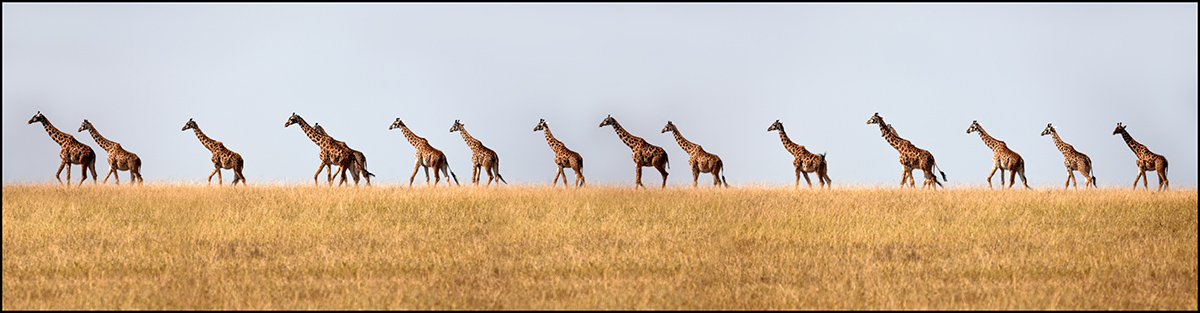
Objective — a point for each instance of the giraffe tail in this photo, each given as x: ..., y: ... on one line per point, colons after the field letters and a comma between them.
x: 452, y: 174
x: 498, y: 171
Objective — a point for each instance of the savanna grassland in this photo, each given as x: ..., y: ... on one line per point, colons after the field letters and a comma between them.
x: 176, y: 246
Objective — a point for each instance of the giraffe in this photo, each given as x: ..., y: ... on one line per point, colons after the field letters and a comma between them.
x: 222, y: 157
x: 72, y: 151
x: 700, y: 161
x: 1146, y: 161
x: 330, y: 153
x: 563, y: 157
x: 910, y: 156
x: 805, y: 162
x: 1003, y: 158
x: 426, y: 156
x: 644, y: 153
x: 360, y: 160
x: 118, y: 158
x: 481, y: 157
x: 1074, y: 160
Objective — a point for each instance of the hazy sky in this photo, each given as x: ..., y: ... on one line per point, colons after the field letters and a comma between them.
x: 722, y: 72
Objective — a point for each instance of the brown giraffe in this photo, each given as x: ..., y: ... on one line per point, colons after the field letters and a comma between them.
x: 1146, y: 161
x: 481, y: 157
x: 360, y: 160
x: 330, y: 153
x: 1074, y: 160
x: 1003, y: 158
x: 118, y: 158
x: 222, y: 157
x: 426, y: 156
x: 563, y: 157
x: 644, y: 153
x: 910, y: 156
x: 72, y: 151
x: 699, y: 160
x: 805, y: 162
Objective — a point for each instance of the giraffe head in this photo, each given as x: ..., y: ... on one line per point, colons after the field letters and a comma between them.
x: 318, y: 129
x: 875, y: 119
x: 1049, y: 130
x: 608, y: 121
x: 85, y: 126
x: 669, y: 128
x: 1120, y: 129
x: 190, y: 125
x: 397, y: 124
x: 974, y: 127
x: 776, y: 126
x: 37, y: 118
x: 294, y: 119
x: 456, y: 127
x: 541, y: 125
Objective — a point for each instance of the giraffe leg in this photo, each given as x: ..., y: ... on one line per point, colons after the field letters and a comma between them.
x: 416, y: 167
x: 116, y: 179
x: 1071, y: 177
x: 92, y: 167
x: 1163, y: 183
x: 437, y: 177
x: 695, y: 176
x: 662, y: 170
x: 556, y: 174
x: 318, y: 174
x: 716, y: 178
x: 798, y: 171
x: 1023, y: 181
x: 60, y: 169
x: 809, y: 181
x: 638, y: 181
x: 489, y: 172
x: 1135, y: 179
x: 579, y: 180
x: 989, y: 178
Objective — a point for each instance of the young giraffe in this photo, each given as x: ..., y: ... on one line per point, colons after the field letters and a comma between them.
x: 118, y: 158
x: 330, y: 153
x: 72, y: 151
x: 805, y: 162
x: 700, y: 161
x: 563, y: 157
x: 360, y: 160
x: 222, y: 157
x: 910, y: 156
x: 426, y: 156
x: 644, y: 153
x: 481, y: 157
x: 1003, y: 158
x: 1074, y: 160
x: 1146, y: 161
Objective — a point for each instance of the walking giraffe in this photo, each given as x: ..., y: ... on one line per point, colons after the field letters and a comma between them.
x: 118, y: 158
x: 699, y: 160
x: 805, y: 162
x: 1074, y: 160
x: 910, y: 156
x: 72, y: 151
x: 481, y: 157
x: 330, y: 153
x: 644, y: 153
x: 1146, y: 161
x: 563, y: 157
x: 426, y: 156
x: 360, y: 160
x: 1003, y: 158
x: 222, y: 157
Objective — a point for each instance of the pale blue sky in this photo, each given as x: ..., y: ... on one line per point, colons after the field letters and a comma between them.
x: 722, y: 72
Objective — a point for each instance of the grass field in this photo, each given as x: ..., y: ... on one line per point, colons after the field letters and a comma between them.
x: 164, y: 246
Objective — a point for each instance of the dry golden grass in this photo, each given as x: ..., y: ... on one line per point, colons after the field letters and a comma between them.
x: 168, y: 246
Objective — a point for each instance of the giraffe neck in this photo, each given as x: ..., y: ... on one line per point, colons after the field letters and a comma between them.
x: 313, y: 134
x: 471, y: 141
x: 108, y: 145
x: 787, y: 142
x: 890, y: 136
x: 1138, y: 148
x: 58, y: 136
x: 413, y: 139
x: 553, y: 142
x: 629, y: 139
x: 683, y: 142
x: 989, y: 141
x: 209, y: 143
x: 1065, y: 148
